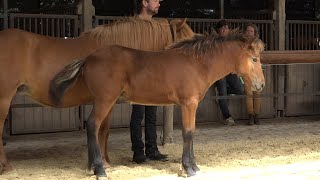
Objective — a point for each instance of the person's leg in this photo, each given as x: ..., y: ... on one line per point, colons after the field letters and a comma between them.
x: 223, y: 103
x: 249, y: 104
x: 152, y: 151
x: 257, y: 106
x: 136, y: 133
x: 235, y: 84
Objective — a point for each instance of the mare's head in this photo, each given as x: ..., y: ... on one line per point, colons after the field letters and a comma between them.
x: 181, y: 29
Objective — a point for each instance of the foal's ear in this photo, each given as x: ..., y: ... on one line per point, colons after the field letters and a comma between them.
x: 256, y: 45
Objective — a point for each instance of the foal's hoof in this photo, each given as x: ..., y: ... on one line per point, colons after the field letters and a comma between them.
x: 101, y: 178
x: 190, y: 172
x: 195, y: 168
x: 99, y: 171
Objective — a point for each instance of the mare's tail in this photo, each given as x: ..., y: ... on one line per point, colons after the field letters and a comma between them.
x: 65, y: 79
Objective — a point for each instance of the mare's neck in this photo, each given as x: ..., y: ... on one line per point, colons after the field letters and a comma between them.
x: 88, y: 43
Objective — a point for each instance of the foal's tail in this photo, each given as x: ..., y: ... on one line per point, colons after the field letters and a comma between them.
x: 64, y: 79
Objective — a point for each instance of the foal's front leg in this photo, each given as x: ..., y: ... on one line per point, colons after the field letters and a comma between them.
x: 188, y: 121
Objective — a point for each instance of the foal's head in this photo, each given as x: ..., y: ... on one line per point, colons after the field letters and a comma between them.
x: 249, y: 65
x: 233, y: 53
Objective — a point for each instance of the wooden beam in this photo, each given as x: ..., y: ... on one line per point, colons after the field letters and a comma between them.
x: 290, y: 57
x: 280, y: 71
x: 280, y: 7
x: 167, y: 134
x: 87, y: 10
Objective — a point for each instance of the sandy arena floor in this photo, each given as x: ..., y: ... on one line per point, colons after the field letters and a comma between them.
x: 279, y: 148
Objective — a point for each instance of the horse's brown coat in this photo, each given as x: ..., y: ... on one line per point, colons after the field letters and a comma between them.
x: 180, y: 75
x: 30, y: 61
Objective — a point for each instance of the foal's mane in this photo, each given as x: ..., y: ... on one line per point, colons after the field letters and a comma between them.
x: 200, y: 46
x: 133, y: 32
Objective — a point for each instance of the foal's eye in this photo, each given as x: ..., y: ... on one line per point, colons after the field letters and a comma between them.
x: 254, y: 59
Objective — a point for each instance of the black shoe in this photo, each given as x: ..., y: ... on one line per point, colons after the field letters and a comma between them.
x: 251, y: 120
x: 257, y: 121
x: 139, y: 158
x: 157, y: 156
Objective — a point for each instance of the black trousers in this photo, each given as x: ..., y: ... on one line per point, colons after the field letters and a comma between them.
x: 150, y: 112
x: 229, y: 84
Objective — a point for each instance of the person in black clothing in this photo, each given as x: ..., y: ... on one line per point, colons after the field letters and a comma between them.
x: 148, y: 8
x: 231, y: 84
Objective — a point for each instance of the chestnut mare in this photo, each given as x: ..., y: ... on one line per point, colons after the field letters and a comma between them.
x: 29, y: 61
x: 180, y: 75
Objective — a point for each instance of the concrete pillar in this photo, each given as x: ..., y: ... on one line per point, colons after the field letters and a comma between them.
x: 87, y: 11
x: 290, y: 57
x: 167, y: 133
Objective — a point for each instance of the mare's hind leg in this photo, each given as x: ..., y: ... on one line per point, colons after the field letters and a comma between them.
x: 188, y: 121
x: 100, y: 112
x: 103, y: 140
x: 4, y: 108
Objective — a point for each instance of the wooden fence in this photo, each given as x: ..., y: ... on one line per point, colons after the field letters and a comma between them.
x: 29, y: 117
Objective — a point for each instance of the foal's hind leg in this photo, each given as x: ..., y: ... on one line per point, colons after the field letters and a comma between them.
x: 188, y: 121
x: 4, y: 107
x: 100, y: 112
x: 103, y: 140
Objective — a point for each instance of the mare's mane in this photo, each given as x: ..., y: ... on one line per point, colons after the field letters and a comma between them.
x: 149, y: 35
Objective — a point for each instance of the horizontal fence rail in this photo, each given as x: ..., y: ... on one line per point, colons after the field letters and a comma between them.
x: 299, y: 35
x: 99, y: 20
x: 47, y: 24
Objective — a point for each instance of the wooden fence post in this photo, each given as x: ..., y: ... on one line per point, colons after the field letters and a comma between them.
x: 87, y: 10
x: 280, y: 71
x: 167, y: 133
x: 5, y: 14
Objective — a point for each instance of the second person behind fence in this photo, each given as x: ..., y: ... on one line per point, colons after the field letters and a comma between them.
x: 253, y: 100
x: 231, y: 84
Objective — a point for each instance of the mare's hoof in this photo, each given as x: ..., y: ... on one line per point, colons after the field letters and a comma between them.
x: 106, y: 165
x: 5, y: 168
